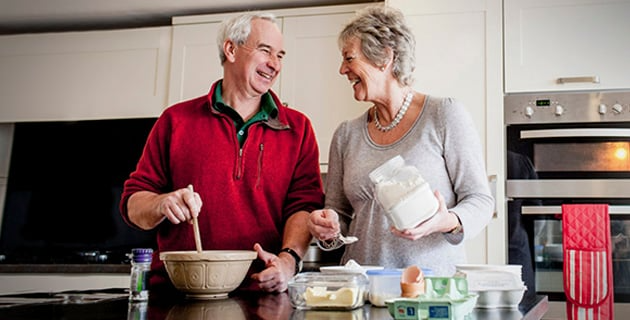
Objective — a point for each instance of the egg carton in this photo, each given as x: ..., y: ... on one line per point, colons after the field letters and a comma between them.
x: 444, y: 298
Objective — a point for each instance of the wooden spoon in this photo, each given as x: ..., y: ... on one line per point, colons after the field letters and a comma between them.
x: 196, y: 227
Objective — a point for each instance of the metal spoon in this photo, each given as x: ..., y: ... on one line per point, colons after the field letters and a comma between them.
x: 196, y: 227
x: 337, y: 242
x: 348, y: 239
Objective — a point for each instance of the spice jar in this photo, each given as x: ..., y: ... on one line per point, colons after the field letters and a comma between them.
x: 140, y: 266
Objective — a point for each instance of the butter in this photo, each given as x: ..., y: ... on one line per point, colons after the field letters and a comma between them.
x: 321, y: 297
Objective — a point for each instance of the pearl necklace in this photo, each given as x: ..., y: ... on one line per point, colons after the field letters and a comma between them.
x: 399, y: 115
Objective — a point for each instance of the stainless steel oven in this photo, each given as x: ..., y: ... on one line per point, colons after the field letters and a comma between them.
x: 566, y: 148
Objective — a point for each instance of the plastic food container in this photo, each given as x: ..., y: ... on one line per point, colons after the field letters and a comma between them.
x: 483, y: 277
x: 402, y: 192
x: 384, y: 285
x: 355, y: 314
x: 509, y: 298
x: 319, y: 291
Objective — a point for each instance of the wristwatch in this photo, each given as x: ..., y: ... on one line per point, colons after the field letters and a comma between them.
x: 458, y: 227
x: 298, y: 260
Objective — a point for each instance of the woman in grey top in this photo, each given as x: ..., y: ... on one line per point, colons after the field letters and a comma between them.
x: 434, y: 134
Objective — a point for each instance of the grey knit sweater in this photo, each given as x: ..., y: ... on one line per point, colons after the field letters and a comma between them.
x: 444, y: 145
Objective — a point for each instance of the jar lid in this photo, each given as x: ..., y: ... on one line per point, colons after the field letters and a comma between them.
x: 395, y: 272
x: 384, y: 272
x: 141, y: 254
x: 386, y: 169
x: 329, y: 279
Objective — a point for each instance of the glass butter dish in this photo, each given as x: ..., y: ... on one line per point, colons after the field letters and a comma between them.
x: 321, y: 291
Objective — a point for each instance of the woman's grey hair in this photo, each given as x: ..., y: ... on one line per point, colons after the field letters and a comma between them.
x: 238, y: 28
x: 381, y: 27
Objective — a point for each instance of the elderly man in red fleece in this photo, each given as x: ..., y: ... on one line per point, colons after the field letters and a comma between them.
x: 253, y: 163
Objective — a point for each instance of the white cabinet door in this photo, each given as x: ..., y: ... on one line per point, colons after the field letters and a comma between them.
x: 458, y: 54
x: 557, y: 45
x: 84, y: 75
x: 310, y: 79
x: 6, y: 141
x: 194, y: 61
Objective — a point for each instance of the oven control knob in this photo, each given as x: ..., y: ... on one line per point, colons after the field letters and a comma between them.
x: 529, y: 111
x: 617, y: 108
x: 559, y: 110
x: 602, y: 109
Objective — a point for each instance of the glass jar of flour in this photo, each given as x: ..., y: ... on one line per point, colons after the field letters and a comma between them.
x: 402, y: 192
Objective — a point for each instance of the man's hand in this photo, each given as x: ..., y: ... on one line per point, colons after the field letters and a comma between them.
x: 278, y: 270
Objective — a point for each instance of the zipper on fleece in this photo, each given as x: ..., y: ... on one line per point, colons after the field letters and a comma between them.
x: 261, y: 148
x: 239, y: 164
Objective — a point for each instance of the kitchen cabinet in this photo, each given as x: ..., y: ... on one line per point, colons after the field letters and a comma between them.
x: 458, y: 54
x: 309, y: 81
x: 563, y: 45
x: 84, y: 75
x: 6, y: 140
x: 11, y: 283
x: 194, y: 61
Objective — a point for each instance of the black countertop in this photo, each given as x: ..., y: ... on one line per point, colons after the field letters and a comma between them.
x: 237, y: 306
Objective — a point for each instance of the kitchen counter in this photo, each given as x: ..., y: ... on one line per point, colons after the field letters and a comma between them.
x: 113, y: 304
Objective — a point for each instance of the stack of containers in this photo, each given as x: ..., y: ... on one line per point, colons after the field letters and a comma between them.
x: 385, y: 285
x: 498, y: 286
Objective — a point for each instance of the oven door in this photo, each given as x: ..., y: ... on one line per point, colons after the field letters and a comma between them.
x: 550, y: 165
x: 547, y: 249
x: 573, y: 151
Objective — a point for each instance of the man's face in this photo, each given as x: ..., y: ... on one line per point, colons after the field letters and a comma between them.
x: 259, y: 59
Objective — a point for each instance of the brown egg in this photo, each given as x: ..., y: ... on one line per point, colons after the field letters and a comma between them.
x: 412, y: 282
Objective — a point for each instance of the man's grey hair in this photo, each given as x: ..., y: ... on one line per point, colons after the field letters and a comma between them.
x: 237, y: 29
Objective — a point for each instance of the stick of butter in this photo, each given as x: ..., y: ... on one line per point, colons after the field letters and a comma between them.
x: 321, y: 297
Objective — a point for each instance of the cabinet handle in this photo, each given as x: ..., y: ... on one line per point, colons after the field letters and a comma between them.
x: 593, y: 79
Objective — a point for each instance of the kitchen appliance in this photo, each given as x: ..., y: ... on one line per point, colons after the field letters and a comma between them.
x: 64, y: 174
x: 566, y: 148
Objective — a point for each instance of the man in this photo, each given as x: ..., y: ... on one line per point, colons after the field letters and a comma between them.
x: 253, y: 164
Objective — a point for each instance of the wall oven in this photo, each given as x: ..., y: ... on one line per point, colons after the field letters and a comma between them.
x: 571, y: 147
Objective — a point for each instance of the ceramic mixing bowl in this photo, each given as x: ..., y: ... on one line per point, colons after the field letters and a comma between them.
x: 209, y: 274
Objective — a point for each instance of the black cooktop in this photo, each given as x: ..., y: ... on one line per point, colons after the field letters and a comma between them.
x: 66, y: 257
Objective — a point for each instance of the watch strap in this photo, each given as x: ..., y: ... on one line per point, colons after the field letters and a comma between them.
x: 298, y: 260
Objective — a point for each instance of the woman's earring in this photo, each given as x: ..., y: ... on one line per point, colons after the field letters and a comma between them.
x: 382, y: 68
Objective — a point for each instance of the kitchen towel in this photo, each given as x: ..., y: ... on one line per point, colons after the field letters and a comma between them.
x: 587, y: 261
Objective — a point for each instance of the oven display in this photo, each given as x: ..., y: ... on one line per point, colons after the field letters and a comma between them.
x: 543, y: 103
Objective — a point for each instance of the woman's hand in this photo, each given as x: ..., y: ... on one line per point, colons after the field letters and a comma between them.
x: 324, y: 224
x: 442, y: 221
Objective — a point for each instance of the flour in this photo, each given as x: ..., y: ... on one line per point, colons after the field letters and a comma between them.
x: 402, y: 192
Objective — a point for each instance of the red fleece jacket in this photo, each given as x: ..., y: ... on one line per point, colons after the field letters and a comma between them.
x: 247, y: 192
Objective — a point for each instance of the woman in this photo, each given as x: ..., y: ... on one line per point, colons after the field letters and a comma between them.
x: 434, y: 134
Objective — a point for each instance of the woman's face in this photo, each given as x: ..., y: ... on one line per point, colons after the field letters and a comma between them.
x: 367, y: 79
